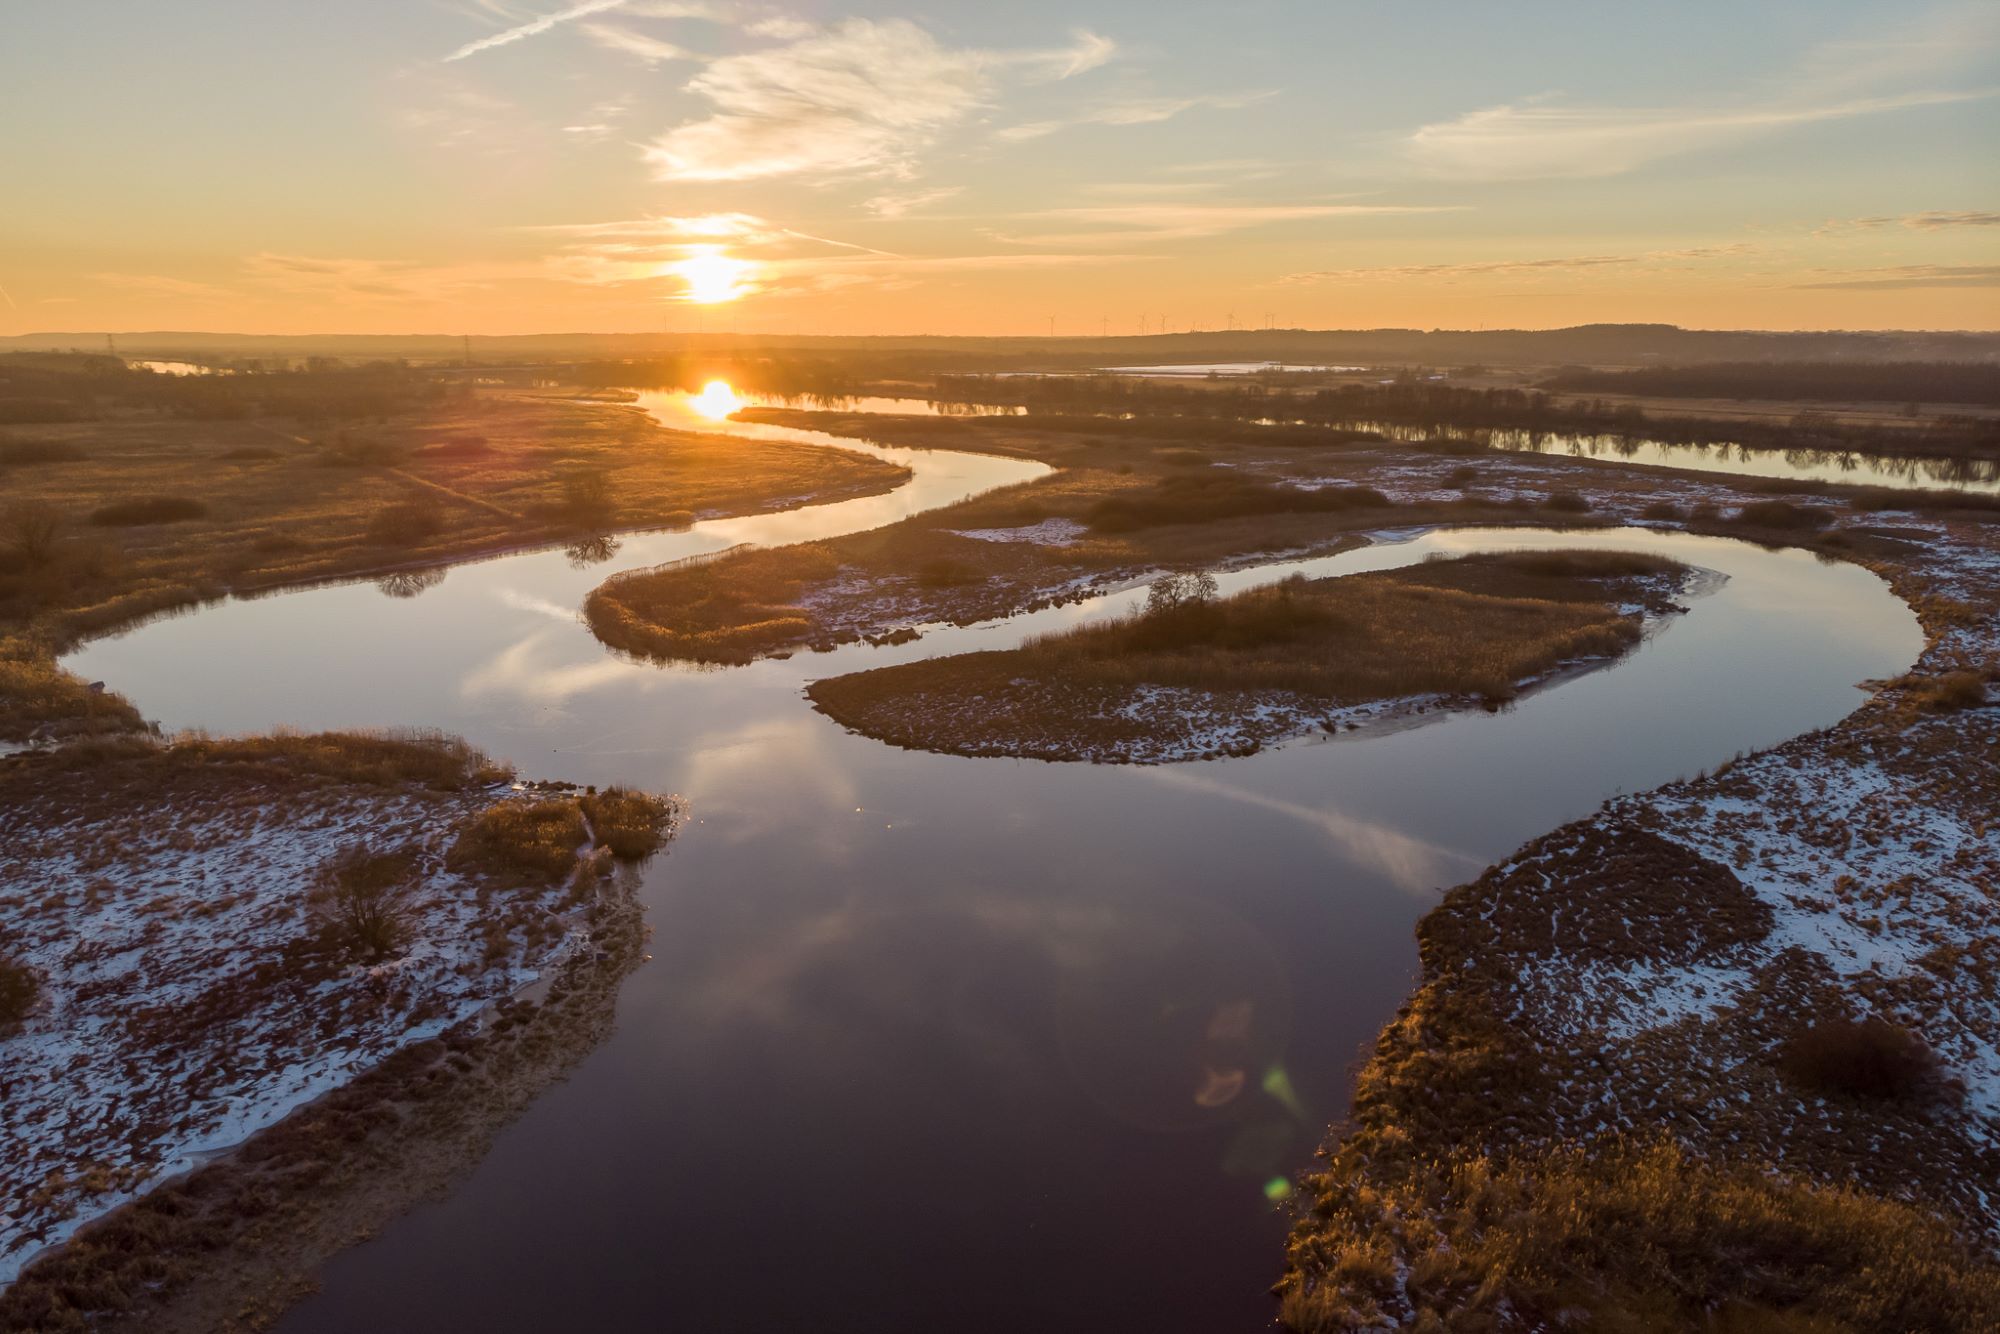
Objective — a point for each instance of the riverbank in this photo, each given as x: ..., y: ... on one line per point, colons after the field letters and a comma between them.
x: 1775, y: 984
x: 1844, y: 880
x: 1195, y: 677
x: 259, y: 505
x: 240, y: 1043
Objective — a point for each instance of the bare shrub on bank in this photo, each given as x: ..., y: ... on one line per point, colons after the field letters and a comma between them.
x: 358, y: 894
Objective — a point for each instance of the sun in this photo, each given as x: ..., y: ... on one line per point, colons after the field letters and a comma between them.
x: 715, y: 401
x: 711, y: 275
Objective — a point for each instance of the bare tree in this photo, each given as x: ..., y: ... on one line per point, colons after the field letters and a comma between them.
x: 358, y: 893
x: 1173, y: 592
x: 31, y: 529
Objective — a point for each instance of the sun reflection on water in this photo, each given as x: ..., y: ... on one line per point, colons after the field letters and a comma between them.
x: 715, y: 401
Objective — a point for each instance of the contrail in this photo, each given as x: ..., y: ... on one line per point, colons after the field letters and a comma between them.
x: 533, y: 27
x: 9, y: 299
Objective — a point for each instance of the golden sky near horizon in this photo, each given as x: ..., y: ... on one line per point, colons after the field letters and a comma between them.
x: 509, y: 166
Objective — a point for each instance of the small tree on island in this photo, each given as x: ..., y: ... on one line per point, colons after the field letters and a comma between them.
x: 1180, y: 591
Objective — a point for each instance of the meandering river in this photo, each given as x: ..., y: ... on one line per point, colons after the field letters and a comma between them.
x: 938, y: 1043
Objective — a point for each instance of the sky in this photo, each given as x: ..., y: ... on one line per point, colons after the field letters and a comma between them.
x: 519, y: 166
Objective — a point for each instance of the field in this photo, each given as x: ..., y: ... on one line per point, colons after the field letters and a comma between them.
x: 110, y: 520
x: 1196, y: 676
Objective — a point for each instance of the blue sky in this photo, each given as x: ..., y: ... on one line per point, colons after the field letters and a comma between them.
x: 517, y: 165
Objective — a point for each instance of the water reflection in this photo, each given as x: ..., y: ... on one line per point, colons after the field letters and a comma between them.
x: 410, y: 583
x: 953, y: 1021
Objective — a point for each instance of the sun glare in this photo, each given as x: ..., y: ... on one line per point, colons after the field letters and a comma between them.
x: 715, y: 401
x: 711, y: 276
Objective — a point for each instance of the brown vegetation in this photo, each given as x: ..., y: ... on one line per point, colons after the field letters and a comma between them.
x: 271, y: 515
x: 1469, y: 629
x: 1869, y: 1058
x: 1620, y: 1235
x: 630, y: 823
x: 522, y: 840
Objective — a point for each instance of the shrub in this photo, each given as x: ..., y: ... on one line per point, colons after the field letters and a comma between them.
x: 1567, y: 502
x: 19, y: 985
x: 15, y: 452
x: 30, y: 529
x: 588, y: 500
x: 358, y: 893
x: 149, y: 510
x: 631, y: 824
x: 1205, y: 497
x: 1782, y: 514
x: 1952, y: 691
x: 406, y: 524
x: 947, y: 573
x: 1872, y: 1058
x: 1462, y: 477
x: 532, y: 840
x: 349, y: 452
x: 1661, y: 509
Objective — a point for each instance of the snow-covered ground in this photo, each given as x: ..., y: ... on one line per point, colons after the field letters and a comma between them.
x: 184, y: 1004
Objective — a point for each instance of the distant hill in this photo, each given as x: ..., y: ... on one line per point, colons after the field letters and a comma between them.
x: 1595, y: 345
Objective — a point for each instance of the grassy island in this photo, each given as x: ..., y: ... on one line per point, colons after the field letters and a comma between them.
x: 1192, y: 674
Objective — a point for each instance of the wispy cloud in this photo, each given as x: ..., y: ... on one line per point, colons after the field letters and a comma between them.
x: 534, y: 27
x: 1136, y: 111
x: 1129, y: 224
x: 902, y: 204
x: 1512, y: 267
x: 1932, y: 221
x: 861, y: 98
x: 162, y: 285
x: 651, y: 50
x: 1909, y: 277
x: 1546, y: 137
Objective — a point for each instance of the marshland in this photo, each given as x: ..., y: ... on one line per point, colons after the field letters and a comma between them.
x: 1104, y: 998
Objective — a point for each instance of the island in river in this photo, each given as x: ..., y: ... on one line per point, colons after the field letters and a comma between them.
x: 1193, y: 676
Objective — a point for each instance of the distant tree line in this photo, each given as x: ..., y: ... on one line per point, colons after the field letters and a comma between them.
x: 51, y: 387
x: 1422, y: 407
x: 1822, y: 381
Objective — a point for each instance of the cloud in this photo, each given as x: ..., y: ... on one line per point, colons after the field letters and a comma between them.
x: 1935, y: 220
x: 1543, y: 137
x: 160, y: 285
x: 901, y: 205
x: 1910, y: 277
x: 861, y: 98
x: 1544, y: 140
x: 649, y: 49
x: 1126, y: 224
x: 1506, y: 267
x: 534, y: 27
x: 1138, y: 111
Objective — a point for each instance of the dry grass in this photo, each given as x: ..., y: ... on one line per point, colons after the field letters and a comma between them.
x: 523, y: 841
x: 99, y: 532
x: 726, y: 610
x: 18, y: 988
x: 632, y: 824
x: 1621, y: 1236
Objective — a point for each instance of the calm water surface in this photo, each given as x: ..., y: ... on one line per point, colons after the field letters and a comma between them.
x: 931, y: 1042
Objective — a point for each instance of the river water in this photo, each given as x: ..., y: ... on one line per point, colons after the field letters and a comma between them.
x: 932, y: 1042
